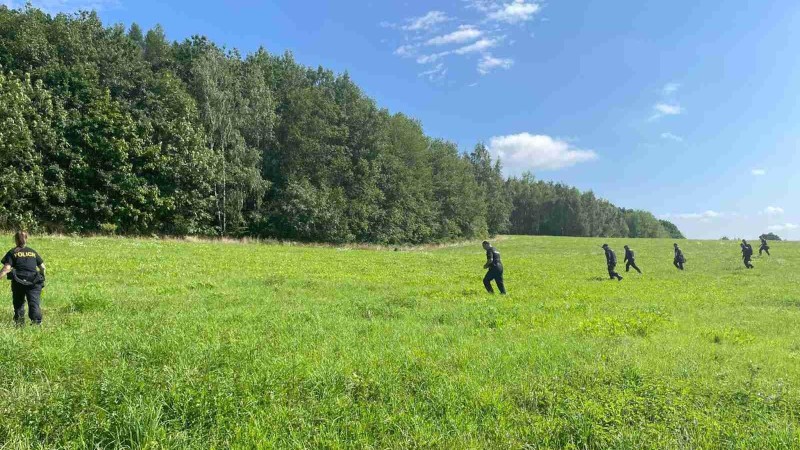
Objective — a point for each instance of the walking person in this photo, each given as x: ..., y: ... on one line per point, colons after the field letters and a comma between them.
x: 495, y: 266
x: 679, y: 260
x: 25, y: 268
x: 611, y: 262
x: 747, y: 254
x: 764, y: 247
x: 630, y: 260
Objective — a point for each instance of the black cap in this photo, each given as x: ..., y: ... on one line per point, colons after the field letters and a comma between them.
x: 604, y: 246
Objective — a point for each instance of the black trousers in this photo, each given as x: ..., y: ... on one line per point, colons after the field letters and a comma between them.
x: 629, y: 264
x: 612, y: 272
x: 747, y: 263
x: 32, y: 294
x: 678, y: 263
x: 496, y: 274
x: 763, y: 249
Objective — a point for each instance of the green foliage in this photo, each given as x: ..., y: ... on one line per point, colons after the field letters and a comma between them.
x: 105, y: 126
x: 169, y: 344
x: 770, y: 237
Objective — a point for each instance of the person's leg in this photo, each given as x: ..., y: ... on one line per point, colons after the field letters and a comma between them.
x: 675, y: 263
x: 18, y: 297
x: 501, y: 286
x: 611, y: 274
x: 761, y: 250
x: 633, y: 264
x: 628, y: 266
x: 767, y: 250
x: 487, y: 282
x: 34, y: 295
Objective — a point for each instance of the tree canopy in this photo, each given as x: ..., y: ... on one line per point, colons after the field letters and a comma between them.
x: 114, y: 128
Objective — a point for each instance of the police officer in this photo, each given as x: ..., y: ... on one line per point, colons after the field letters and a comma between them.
x: 630, y: 260
x: 25, y: 268
x: 495, y: 266
x: 764, y: 246
x: 611, y: 262
x: 679, y: 260
x: 747, y: 254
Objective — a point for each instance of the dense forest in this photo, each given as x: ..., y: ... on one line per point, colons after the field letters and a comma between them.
x: 111, y: 129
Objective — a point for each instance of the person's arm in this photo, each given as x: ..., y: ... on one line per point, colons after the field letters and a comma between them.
x: 488, y: 259
x: 5, y: 271
x: 41, y: 269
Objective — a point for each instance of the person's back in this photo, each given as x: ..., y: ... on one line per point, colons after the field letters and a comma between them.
x: 25, y: 268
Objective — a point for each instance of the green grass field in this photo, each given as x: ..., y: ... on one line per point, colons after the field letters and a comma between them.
x: 168, y: 344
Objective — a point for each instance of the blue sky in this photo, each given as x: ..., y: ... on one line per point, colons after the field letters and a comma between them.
x: 684, y: 108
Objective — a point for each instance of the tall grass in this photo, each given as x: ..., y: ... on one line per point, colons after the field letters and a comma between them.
x: 168, y: 344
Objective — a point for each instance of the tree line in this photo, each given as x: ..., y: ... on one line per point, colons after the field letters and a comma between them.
x: 114, y: 129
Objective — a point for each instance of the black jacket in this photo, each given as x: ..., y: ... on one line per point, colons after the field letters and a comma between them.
x: 611, y: 257
x: 629, y: 256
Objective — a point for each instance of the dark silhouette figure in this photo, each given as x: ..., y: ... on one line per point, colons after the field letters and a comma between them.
x: 611, y: 262
x: 495, y: 266
x: 680, y: 260
x: 630, y: 260
x: 25, y: 268
x: 747, y: 254
x: 764, y: 247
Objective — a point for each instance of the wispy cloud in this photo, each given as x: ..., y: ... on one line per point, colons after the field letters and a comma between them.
x: 670, y: 88
x: 426, y: 22
x: 666, y: 109
x: 758, y: 172
x: 671, y: 137
x: 488, y: 63
x: 773, y: 210
x: 425, y: 40
x: 436, y: 73
x: 783, y: 227
x: 525, y: 151
x: 479, y: 46
x: 465, y: 33
x: 515, y: 12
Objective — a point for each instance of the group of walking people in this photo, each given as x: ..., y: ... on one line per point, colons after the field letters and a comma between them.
x: 26, y: 270
x: 630, y: 261
x: 495, y: 266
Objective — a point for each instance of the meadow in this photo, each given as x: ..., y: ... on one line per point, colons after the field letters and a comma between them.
x: 175, y: 344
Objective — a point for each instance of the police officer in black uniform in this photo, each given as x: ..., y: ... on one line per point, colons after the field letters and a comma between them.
x: 25, y: 268
x: 611, y: 261
x: 764, y: 247
x: 747, y: 254
x: 630, y: 260
x: 679, y: 260
x: 495, y: 266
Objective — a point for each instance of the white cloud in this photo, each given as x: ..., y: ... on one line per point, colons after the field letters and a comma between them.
x: 437, y: 73
x: 426, y: 22
x: 515, y: 12
x: 784, y: 227
x: 465, y: 33
x: 525, y: 151
x: 479, y: 46
x: 427, y: 59
x: 406, y: 51
x: 667, y: 109
x: 758, y: 172
x: 670, y: 88
x: 773, y: 210
x: 489, y: 63
x: 671, y: 137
